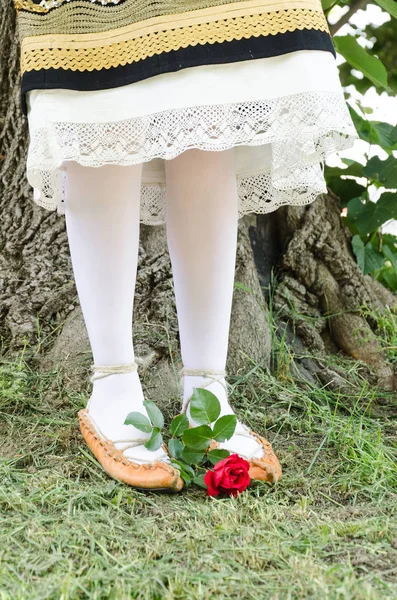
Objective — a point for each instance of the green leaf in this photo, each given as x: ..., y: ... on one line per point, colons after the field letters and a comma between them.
x: 390, y: 240
x: 192, y: 457
x: 387, y: 134
x: 353, y: 169
x: 374, y: 132
x: 224, y: 428
x: 391, y: 279
x: 369, y: 216
x: 368, y: 259
x: 186, y: 471
x: 199, y: 480
x: 139, y: 421
x: 387, y: 251
x: 175, y: 448
x: 374, y: 260
x: 360, y: 59
x: 186, y: 477
x: 364, y: 127
x: 216, y: 455
x: 187, y: 468
x: 155, y: 414
x: 389, y: 5
x: 345, y: 189
x: 155, y: 440
x: 204, y: 406
x: 383, y: 172
x: 197, y: 438
x: 179, y: 425
x: 359, y: 251
x: 326, y: 4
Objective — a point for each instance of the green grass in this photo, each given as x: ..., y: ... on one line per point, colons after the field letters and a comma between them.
x: 328, y: 530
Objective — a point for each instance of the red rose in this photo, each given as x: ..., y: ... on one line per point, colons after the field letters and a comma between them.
x: 230, y: 475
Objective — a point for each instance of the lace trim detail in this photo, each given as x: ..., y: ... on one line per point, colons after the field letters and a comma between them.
x: 139, y: 43
x: 298, y: 133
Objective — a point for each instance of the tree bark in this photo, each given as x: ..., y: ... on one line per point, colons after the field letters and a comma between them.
x: 323, y: 295
x: 317, y: 298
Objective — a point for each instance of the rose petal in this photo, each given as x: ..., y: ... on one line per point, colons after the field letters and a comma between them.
x: 218, y: 477
x: 212, y: 490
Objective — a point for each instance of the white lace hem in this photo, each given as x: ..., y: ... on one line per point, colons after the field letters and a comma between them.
x: 281, y: 145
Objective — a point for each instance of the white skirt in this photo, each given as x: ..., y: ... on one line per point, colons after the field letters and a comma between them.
x: 283, y: 116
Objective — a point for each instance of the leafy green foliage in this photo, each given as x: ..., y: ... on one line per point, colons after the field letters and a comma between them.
x: 383, y: 41
x: 374, y: 132
x: 388, y: 273
x: 382, y: 45
x: 360, y: 59
x: 192, y: 457
x: 189, y: 446
x: 389, y: 5
x: 382, y: 172
x: 327, y: 4
x: 155, y: 440
x: 198, y: 438
x: 346, y: 189
x: 179, y: 424
x: 369, y: 216
x: 155, y: 414
x: 186, y: 471
x: 139, y: 421
x: 204, y: 406
x: 368, y: 258
x: 224, y: 428
x: 376, y: 253
x: 199, y: 480
x: 216, y: 455
x: 175, y: 448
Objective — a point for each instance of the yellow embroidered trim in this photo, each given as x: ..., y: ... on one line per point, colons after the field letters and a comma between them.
x: 106, y: 55
x: 31, y: 6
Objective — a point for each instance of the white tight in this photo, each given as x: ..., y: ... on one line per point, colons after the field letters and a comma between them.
x: 202, y: 238
x: 102, y: 220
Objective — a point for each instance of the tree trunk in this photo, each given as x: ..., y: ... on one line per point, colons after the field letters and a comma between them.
x: 317, y: 300
x: 321, y: 296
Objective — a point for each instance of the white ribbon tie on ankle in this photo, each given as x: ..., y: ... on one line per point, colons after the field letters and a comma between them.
x: 124, y: 445
x: 105, y: 370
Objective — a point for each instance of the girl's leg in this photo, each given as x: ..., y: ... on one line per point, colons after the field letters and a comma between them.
x: 102, y: 220
x: 202, y: 220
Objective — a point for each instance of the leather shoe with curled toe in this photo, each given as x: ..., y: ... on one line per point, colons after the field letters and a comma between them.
x: 158, y: 474
x: 264, y: 464
x: 128, y: 460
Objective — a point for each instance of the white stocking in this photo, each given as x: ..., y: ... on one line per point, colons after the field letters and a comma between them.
x: 102, y: 220
x: 202, y: 220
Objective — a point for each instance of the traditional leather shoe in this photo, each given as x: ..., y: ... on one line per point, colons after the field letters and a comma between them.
x: 156, y: 475
x: 264, y: 468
